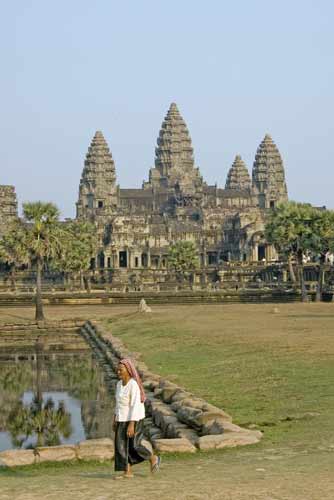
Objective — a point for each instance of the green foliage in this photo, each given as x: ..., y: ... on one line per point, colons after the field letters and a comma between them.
x: 44, y: 236
x: 12, y: 246
x: 79, y: 246
x: 183, y: 257
x: 295, y: 228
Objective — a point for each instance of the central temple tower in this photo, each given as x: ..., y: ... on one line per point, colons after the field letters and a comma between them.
x: 174, y: 157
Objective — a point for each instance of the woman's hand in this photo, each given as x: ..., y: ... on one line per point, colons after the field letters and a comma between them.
x: 131, y: 430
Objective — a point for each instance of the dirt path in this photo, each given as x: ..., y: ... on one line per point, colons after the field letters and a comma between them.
x: 235, y: 475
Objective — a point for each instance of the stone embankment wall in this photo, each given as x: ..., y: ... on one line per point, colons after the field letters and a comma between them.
x: 93, y: 449
x: 132, y: 298
x: 176, y: 419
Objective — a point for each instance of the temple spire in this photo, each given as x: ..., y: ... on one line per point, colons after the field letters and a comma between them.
x: 238, y: 177
x: 174, y: 155
x: 97, y: 190
x: 268, y: 177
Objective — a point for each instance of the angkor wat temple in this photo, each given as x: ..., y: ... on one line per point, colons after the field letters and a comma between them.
x: 137, y: 226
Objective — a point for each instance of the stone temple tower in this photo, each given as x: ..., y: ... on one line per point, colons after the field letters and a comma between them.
x: 238, y: 177
x: 97, y: 190
x: 174, y: 156
x: 8, y: 206
x: 268, y: 174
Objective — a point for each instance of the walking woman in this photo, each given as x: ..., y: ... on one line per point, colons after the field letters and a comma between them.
x: 131, y: 447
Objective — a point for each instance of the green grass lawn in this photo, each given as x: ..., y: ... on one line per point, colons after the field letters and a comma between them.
x: 274, y: 371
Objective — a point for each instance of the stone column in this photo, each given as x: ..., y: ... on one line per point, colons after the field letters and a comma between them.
x: 255, y: 252
x: 115, y: 260
x: 129, y: 257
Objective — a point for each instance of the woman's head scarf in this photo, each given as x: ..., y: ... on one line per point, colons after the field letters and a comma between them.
x: 129, y: 365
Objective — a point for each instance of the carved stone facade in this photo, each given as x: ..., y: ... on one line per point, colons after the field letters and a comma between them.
x: 137, y: 226
x: 8, y: 206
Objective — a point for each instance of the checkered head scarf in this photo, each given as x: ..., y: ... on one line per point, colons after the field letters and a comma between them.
x: 129, y: 365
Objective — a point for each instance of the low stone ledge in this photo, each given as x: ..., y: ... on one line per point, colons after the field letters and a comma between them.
x: 14, y: 458
x: 229, y: 440
x: 176, y: 445
x: 60, y: 453
x: 96, y: 449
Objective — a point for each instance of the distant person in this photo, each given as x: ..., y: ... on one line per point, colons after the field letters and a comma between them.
x: 131, y: 446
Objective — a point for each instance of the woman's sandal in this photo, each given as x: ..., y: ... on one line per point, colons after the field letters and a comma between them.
x: 156, y: 467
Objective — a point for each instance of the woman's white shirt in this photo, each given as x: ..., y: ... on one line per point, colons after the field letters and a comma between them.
x: 128, y: 403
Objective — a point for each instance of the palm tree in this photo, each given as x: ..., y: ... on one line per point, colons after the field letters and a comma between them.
x: 44, y: 241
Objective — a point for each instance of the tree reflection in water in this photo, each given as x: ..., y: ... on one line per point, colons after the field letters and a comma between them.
x: 46, y: 421
x: 41, y: 421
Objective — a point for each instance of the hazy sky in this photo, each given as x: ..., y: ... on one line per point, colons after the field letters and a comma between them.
x: 237, y: 70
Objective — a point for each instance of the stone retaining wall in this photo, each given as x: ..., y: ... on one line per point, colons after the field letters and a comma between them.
x: 93, y: 449
x: 176, y: 419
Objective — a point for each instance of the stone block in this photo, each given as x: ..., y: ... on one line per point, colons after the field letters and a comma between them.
x: 187, y: 433
x: 14, y: 458
x: 55, y: 453
x: 96, y: 449
x: 203, y: 418
x: 168, y: 392
x: 212, y: 427
x: 188, y: 416
x: 229, y: 440
x: 209, y: 442
x: 177, y: 445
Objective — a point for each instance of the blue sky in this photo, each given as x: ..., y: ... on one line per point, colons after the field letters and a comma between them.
x: 237, y: 70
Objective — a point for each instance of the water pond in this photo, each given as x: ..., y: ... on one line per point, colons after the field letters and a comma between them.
x: 52, y: 391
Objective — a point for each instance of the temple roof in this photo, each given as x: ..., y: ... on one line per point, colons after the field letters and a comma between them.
x: 238, y: 177
x: 267, y: 158
x: 99, y: 159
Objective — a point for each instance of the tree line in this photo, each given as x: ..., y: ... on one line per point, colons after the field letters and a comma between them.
x: 298, y: 230
x: 39, y: 240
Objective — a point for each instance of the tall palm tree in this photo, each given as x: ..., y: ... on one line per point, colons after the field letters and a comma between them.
x: 44, y: 241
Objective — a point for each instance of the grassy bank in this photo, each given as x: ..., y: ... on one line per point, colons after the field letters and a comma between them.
x: 271, y: 370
